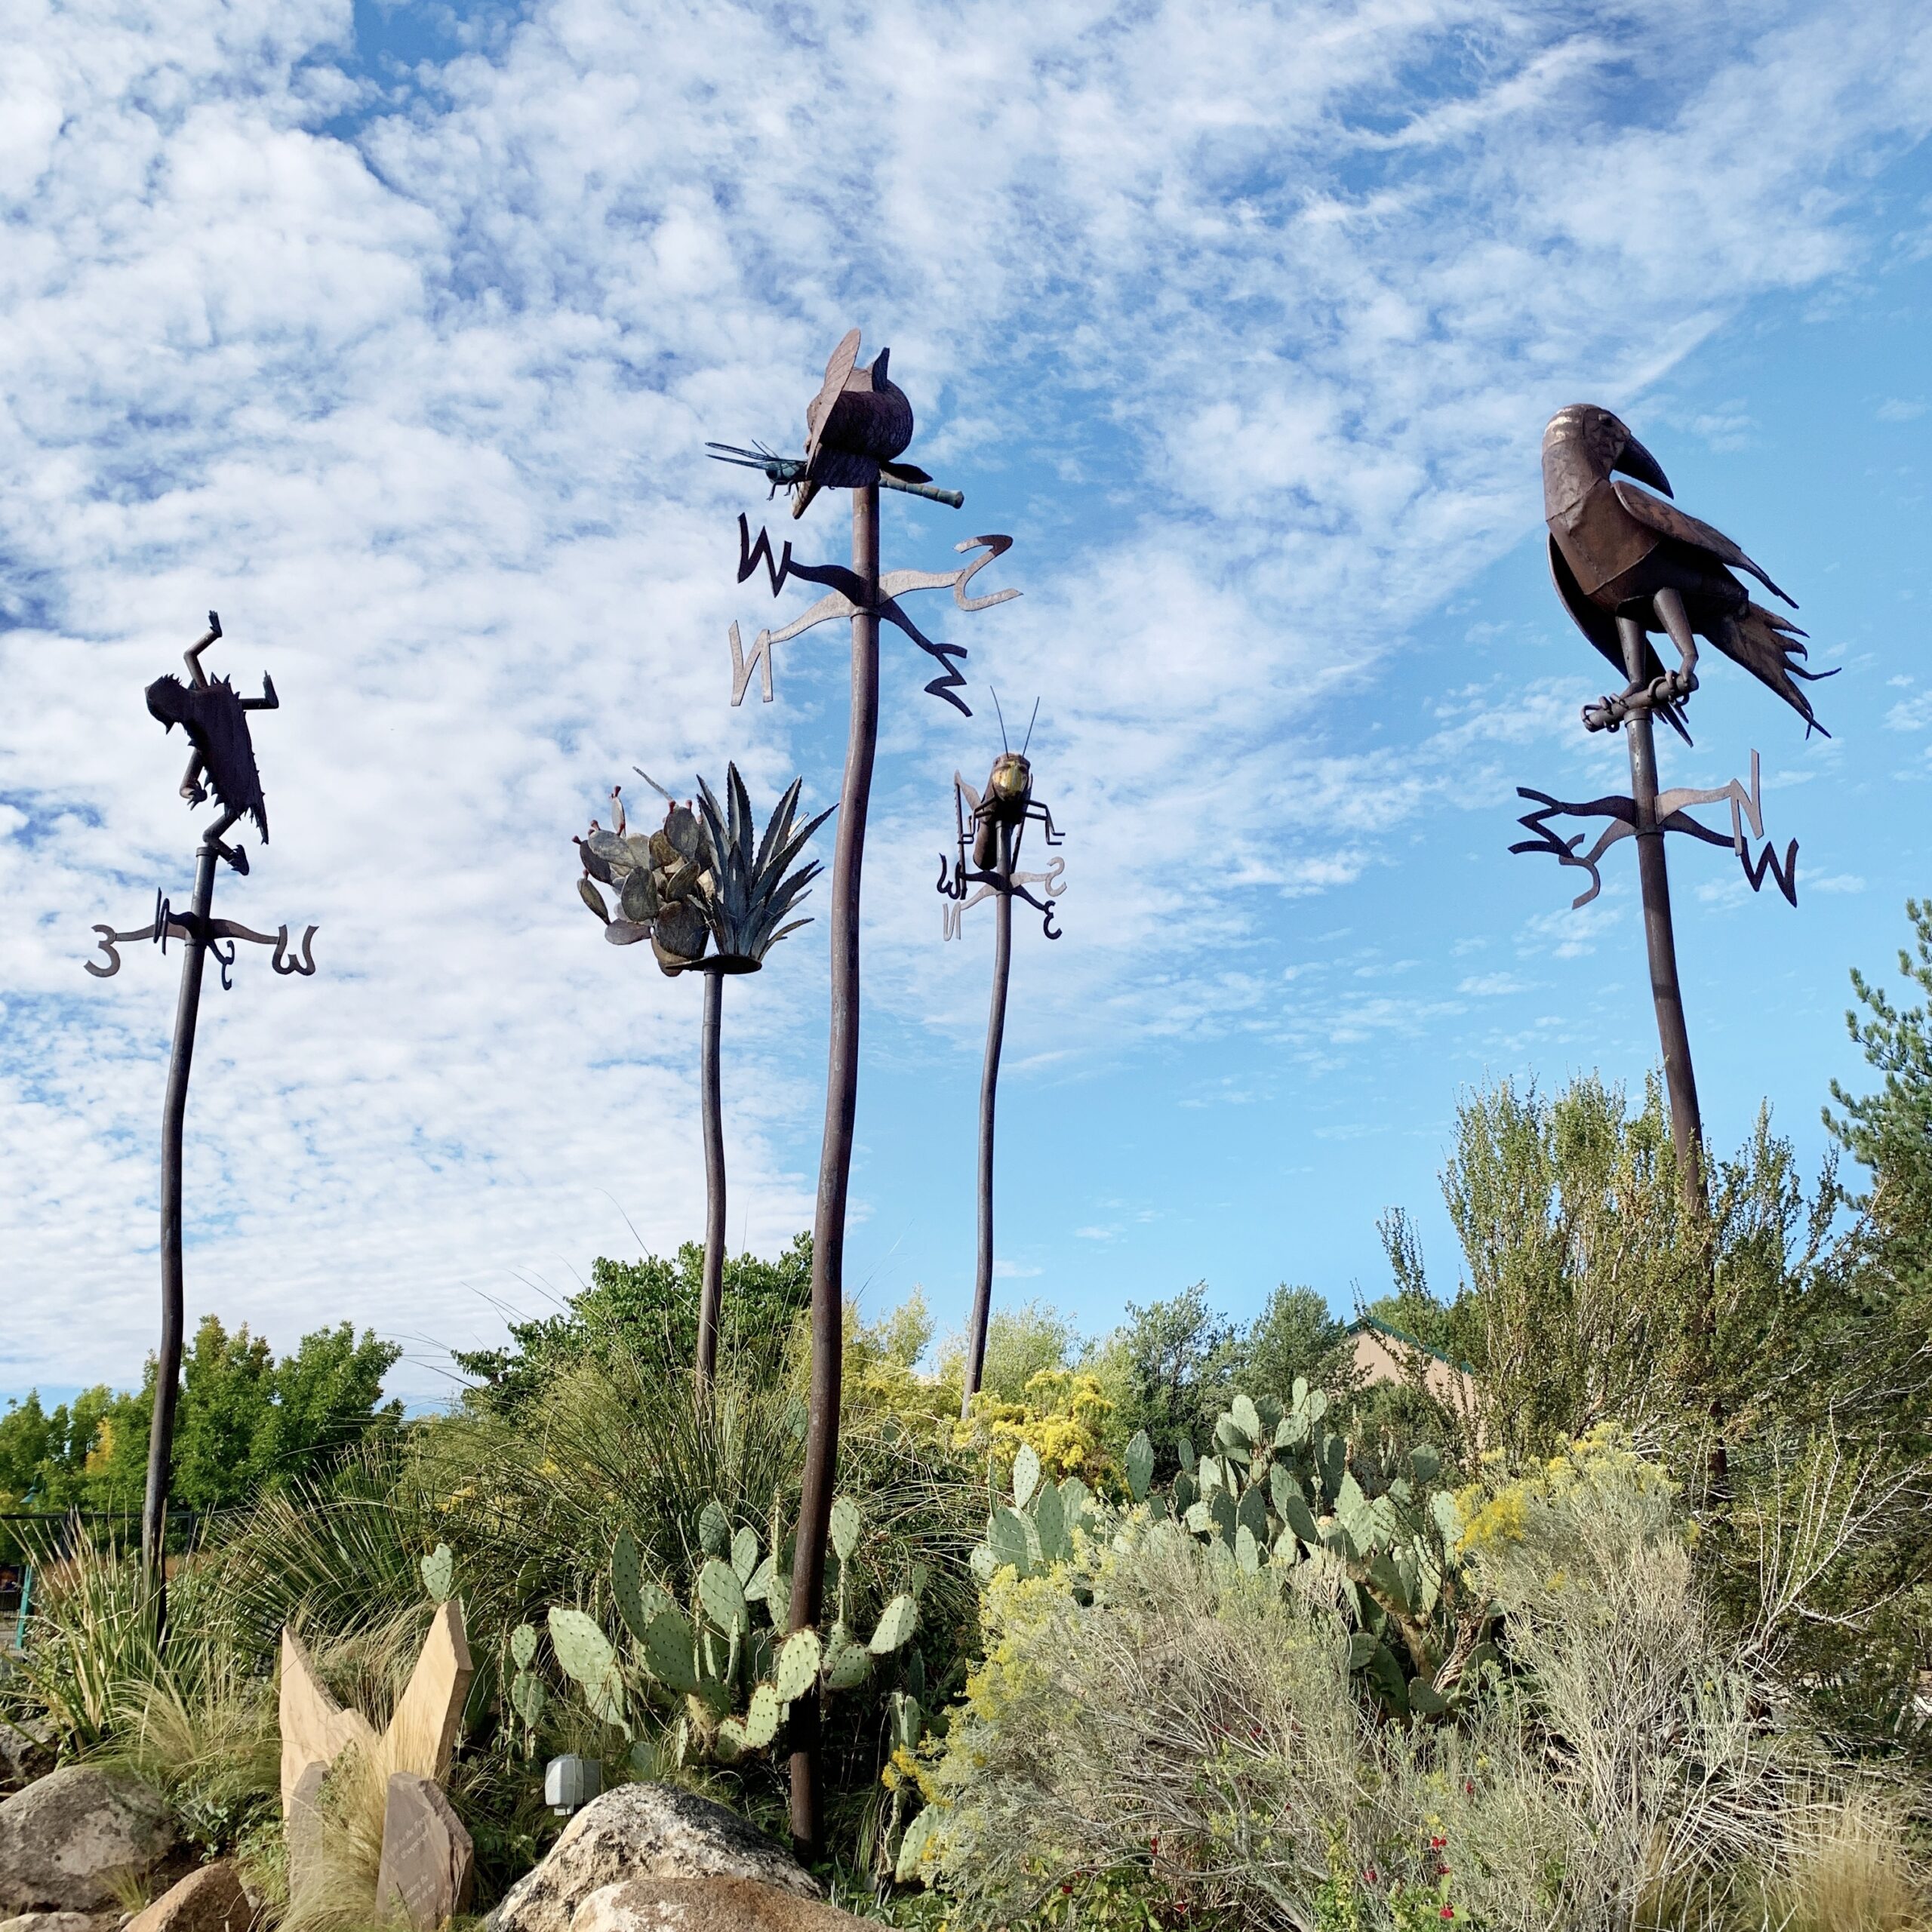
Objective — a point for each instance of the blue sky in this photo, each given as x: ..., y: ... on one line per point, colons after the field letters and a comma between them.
x: 396, y: 334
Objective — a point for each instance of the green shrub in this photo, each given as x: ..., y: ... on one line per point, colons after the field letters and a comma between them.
x: 1150, y: 1704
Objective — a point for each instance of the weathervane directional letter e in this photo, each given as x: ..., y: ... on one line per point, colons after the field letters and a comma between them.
x: 741, y: 666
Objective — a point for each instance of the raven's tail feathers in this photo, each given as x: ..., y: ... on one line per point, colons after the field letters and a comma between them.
x: 1767, y: 646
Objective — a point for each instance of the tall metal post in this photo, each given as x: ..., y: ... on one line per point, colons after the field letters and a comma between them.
x: 1687, y: 1130
x: 841, y: 1099
x: 982, y: 1278
x: 711, y: 1300
x: 173, y: 1115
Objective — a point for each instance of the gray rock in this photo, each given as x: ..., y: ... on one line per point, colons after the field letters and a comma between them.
x: 424, y: 1877
x: 66, y: 1839
x: 27, y: 1753
x: 644, y: 1831
x: 62, y: 1921
x: 704, y: 1904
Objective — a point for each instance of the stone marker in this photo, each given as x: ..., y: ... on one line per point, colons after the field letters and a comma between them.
x: 424, y: 1876
x: 209, y: 1900
x: 304, y: 1827
x: 422, y: 1734
x: 315, y: 1730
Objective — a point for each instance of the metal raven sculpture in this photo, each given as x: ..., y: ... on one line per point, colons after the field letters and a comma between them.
x: 1617, y: 551
x: 216, y: 720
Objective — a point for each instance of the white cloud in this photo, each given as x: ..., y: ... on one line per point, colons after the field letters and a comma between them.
x: 421, y: 409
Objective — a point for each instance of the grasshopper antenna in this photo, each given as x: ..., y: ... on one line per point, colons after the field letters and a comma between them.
x: 1030, y: 723
x: 1002, y: 715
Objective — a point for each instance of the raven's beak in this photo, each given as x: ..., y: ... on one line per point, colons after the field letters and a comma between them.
x: 1636, y: 460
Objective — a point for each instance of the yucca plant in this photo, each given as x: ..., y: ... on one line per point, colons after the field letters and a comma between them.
x: 707, y: 878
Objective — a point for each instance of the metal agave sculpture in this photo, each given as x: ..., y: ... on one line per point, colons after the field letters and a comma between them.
x: 706, y: 878
x: 750, y: 887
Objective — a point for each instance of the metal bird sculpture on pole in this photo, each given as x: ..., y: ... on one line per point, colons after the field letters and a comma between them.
x: 1628, y: 565
x: 857, y: 427
x: 217, y: 722
x: 1620, y: 555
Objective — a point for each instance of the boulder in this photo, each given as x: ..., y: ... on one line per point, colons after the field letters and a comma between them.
x: 210, y: 1900
x: 424, y: 1877
x: 704, y: 1904
x: 26, y: 1752
x: 644, y: 1831
x: 62, y: 1921
x: 66, y: 1839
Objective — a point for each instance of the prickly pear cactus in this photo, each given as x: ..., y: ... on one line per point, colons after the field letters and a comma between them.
x: 728, y: 1680
x: 438, y: 1569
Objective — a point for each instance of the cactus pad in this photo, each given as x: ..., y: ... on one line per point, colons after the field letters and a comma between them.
x: 1140, y: 1465
x: 669, y: 1652
x: 799, y: 1658
x: 845, y: 1524
x: 762, y: 1719
x: 721, y: 1596
x: 527, y: 1698
x: 523, y: 1645
x: 1050, y: 1521
x: 847, y: 1665
x: 439, y: 1573
x: 1026, y: 1474
x: 896, y: 1623
x: 1006, y: 1535
x: 744, y: 1555
x: 714, y: 1529
x: 581, y: 1649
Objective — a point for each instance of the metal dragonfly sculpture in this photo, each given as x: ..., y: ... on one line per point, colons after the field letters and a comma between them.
x: 216, y: 719
x: 999, y: 816
x: 1627, y: 564
x: 857, y: 427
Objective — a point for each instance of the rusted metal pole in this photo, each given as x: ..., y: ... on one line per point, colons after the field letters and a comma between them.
x: 835, y: 1168
x: 173, y: 1116
x: 1687, y: 1130
x: 711, y: 1300
x: 982, y: 1278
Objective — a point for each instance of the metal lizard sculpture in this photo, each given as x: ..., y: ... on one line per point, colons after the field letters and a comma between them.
x: 216, y: 721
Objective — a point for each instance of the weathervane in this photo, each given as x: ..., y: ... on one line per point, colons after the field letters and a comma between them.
x: 999, y: 815
x: 857, y: 428
x: 223, y: 762
x: 1627, y: 563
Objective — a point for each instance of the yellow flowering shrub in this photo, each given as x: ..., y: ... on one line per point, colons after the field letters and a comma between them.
x: 1064, y: 1417
x: 1598, y: 1470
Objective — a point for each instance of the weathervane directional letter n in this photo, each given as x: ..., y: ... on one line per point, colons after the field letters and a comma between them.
x: 741, y: 667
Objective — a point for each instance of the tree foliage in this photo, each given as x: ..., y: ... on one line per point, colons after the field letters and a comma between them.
x: 646, y: 1311
x: 246, y: 1423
